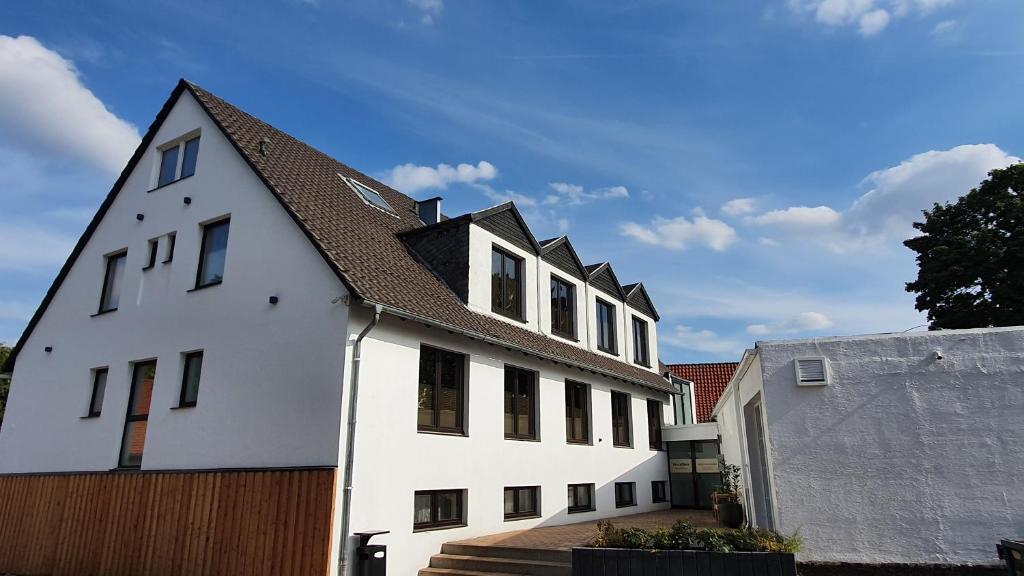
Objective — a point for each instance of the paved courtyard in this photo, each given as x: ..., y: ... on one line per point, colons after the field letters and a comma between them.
x: 567, y: 536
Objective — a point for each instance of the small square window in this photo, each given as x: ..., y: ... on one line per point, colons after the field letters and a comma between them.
x: 625, y: 494
x: 659, y: 492
x: 178, y: 160
x: 522, y: 502
x: 190, y: 379
x: 434, y: 509
x: 581, y: 498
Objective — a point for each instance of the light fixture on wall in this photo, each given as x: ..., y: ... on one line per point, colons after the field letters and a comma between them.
x: 273, y: 299
x: 187, y: 200
x: 48, y: 349
x: 938, y: 354
x: 140, y: 216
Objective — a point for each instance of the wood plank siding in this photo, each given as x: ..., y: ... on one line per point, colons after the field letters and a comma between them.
x: 274, y: 522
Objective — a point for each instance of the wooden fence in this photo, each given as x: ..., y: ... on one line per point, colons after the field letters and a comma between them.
x: 223, y: 523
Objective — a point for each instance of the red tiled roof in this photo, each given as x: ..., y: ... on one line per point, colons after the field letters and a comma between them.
x: 709, y: 381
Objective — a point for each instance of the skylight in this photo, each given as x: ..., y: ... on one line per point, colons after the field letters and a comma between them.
x: 370, y: 196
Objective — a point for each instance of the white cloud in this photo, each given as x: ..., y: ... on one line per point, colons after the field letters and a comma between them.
x: 897, y: 196
x: 45, y: 107
x: 739, y: 206
x: 801, y: 322
x: 32, y: 248
x: 430, y: 9
x: 688, y: 338
x: 944, y: 27
x: 869, y: 16
x: 679, y: 233
x: 410, y: 178
x: 575, y: 195
x: 521, y: 200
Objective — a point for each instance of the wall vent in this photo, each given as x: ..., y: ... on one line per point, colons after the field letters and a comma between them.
x: 811, y: 371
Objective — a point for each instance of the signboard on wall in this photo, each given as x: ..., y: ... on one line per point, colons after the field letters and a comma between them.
x: 680, y: 466
x: 707, y: 466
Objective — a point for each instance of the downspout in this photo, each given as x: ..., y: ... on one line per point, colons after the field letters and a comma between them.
x: 350, y: 443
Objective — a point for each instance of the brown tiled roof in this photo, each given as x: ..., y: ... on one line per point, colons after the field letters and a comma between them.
x: 709, y: 381
x: 360, y: 241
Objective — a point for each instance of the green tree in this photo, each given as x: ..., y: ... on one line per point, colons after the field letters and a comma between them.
x: 5, y: 384
x: 970, y: 256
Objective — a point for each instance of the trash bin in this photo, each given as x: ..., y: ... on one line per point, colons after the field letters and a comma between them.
x: 1012, y: 552
x: 371, y: 559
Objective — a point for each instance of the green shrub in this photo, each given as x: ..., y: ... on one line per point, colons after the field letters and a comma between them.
x: 682, y: 536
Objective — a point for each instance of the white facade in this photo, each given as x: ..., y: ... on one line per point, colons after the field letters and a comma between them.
x: 912, y: 452
x: 266, y: 368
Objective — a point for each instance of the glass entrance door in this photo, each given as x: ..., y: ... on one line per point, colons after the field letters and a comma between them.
x: 693, y: 472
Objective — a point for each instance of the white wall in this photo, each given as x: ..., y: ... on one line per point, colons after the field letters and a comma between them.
x: 628, y: 312
x: 593, y: 294
x: 903, y: 457
x: 544, y: 307
x: 481, y: 243
x: 270, y: 388
x: 393, y: 460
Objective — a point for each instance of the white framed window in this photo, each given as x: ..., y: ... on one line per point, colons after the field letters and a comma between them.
x: 178, y: 159
x: 811, y: 371
x: 369, y: 195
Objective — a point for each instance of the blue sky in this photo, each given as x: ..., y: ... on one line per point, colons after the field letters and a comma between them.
x: 754, y: 163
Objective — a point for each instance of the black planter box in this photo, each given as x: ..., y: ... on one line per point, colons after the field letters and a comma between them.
x: 626, y: 562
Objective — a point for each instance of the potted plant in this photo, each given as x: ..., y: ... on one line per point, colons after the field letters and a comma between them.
x: 730, y: 511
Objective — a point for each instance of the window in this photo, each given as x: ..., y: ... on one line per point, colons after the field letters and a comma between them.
x: 170, y: 169
x: 369, y: 195
x: 577, y: 412
x: 520, y: 404
x: 212, y: 254
x: 659, y: 493
x: 99, y: 387
x: 441, y: 391
x: 654, y: 424
x: 605, y: 327
x: 641, y: 353
x: 112, y: 279
x: 137, y: 420
x: 563, y: 308
x: 521, y: 502
x: 438, y: 509
x: 625, y: 494
x: 190, y: 379
x: 506, y: 284
x: 151, y: 259
x: 620, y: 420
x: 581, y: 498
x: 170, y: 247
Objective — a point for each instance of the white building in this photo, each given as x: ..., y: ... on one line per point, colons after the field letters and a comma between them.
x: 904, y: 448
x: 241, y: 301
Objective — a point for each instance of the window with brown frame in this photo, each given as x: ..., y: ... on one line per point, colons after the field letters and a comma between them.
x: 620, y: 420
x: 137, y: 420
x: 522, y: 502
x: 654, y: 409
x: 563, y: 308
x: 434, y: 509
x: 641, y: 351
x: 520, y: 404
x: 110, y: 297
x: 506, y: 284
x: 577, y: 412
x: 659, y: 491
x: 625, y: 494
x: 581, y: 498
x: 606, y: 327
x: 441, y: 391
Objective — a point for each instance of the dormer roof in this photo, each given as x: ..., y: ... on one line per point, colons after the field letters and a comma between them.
x: 505, y: 221
x: 559, y: 253
x: 602, y: 277
x: 637, y: 297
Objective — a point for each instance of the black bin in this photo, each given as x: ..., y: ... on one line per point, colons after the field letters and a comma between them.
x: 371, y: 559
x: 1012, y: 552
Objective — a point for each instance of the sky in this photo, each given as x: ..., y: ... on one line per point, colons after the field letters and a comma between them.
x: 755, y: 164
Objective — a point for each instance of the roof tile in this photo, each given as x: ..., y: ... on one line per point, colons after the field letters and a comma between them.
x: 709, y: 381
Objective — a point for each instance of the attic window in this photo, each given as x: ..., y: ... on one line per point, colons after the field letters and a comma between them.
x: 369, y: 195
x: 811, y: 371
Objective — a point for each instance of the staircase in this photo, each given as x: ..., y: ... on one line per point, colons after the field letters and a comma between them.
x: 476, y: 560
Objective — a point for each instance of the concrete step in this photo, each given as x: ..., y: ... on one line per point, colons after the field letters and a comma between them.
x: 542, y: 554
x: 451, y: 572
x: 487, y: 564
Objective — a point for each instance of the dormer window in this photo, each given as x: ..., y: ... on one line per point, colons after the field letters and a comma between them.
x: 178, y: 160
x: 606, y: 327
x: 641, y: 351
x: 369, y: 195
x: 506, y: 284
x: 563, y: 308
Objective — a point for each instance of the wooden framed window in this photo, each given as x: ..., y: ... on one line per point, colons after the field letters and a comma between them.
x: 621, y: 435
x: 581, y: 498
x: 434, y: 509
x: 522, y: 502
x: 113, y: 277
x: 625, y: 494
x: 506, y: 284
x: 577, y: 412
x: 654, y: 423
x: 213, y: 253
x: 563, y: 308
x: 606, y: 327
x: 659, y: 491
x: 136, y: 422
x: 99, y: 388
x: 520, y: 404
x: 190, y: 375
x: 441, y: 391
x: 641, y: 351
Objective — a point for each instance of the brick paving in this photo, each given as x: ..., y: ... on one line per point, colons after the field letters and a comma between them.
x: 567, y: 536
